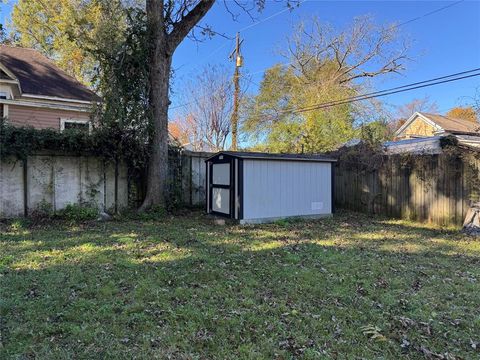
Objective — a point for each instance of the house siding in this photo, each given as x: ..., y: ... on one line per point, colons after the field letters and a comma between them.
x: 41, y: 118
x: 418, y: 128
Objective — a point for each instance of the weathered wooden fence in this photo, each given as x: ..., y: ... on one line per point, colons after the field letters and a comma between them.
x: 55, y: 180
x: 428, y: 188
x: 193, y: 177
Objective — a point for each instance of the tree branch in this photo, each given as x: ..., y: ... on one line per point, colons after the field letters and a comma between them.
x: 186, y: 24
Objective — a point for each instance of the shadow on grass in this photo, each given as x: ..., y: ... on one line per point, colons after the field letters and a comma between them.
x: 182, y: 288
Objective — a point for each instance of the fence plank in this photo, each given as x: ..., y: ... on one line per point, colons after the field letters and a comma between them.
x: 434, y: 188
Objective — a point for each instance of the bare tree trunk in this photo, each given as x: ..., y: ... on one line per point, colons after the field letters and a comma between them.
x: 160, y: 61
x: 158, y: 164
x: 163, y: 45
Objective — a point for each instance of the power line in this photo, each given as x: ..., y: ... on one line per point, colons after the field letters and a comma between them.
x: 411, y: 86
x: 248, y: 27
x: 398, y: 89
x: 380, y: 93
x: 282, y: 11
x: 320, y: 106
x: 429, y: 13
x: 392, y: 27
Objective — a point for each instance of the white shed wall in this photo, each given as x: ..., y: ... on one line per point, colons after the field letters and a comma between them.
x: 286, y: 188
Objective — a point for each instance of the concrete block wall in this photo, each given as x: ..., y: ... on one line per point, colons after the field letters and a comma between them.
x: 54, y: 181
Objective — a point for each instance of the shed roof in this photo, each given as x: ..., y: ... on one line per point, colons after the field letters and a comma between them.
x: 272, y: 156
x: 38, y: 75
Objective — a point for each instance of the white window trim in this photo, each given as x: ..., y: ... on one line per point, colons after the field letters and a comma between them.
x: 7, y: 94
x: 75, y: 121
x: 56, y: 98
x: 5, y: 110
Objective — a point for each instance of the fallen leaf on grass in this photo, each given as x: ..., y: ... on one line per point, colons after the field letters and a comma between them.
x: 373, y: 332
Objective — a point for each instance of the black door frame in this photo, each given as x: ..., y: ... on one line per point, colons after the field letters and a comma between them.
x: 231, y: 187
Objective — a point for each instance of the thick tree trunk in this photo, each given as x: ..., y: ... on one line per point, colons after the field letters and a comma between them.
x: 160, y: 61
x: 158, y: 164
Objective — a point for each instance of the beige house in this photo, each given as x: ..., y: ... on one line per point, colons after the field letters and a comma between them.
x: 421, y: 125
x: 35, y: 92
x: 422, y: 134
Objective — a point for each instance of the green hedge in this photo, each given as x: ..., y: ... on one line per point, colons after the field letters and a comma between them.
x: 108, y: 143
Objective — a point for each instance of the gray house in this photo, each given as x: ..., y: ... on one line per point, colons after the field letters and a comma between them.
x: 259, y: 187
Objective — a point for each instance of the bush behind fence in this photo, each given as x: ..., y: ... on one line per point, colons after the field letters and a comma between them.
x: 430, y: 188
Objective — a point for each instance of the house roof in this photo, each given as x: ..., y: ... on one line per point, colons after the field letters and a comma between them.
x: 39, y: 76
x: 443, y: 123
x: 269, y: 156
x: 453, y: 124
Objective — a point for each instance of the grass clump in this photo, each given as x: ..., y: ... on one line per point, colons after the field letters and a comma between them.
x: 77, y: 213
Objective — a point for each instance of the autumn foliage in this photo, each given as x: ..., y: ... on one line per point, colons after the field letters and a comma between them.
x: 465, y: 113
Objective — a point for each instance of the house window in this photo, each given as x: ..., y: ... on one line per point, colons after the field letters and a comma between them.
x: 3, y: 107
x: 72, y: 124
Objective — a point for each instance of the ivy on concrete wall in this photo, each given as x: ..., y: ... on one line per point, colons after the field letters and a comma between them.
x: 108, y: 143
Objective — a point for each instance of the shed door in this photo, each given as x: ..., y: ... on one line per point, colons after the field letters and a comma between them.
x: 220, y: 188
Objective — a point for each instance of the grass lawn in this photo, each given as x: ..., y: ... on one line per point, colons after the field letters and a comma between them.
x: 182, y: 288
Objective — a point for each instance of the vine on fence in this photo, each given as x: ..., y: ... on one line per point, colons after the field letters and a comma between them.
x: 463, y: 160
x: 109, y: 143
x: 469, y: 157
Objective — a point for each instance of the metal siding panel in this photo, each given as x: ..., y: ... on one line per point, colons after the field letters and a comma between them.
x: 236, y: 190
x: 207, y: 185
x: 286, y: 188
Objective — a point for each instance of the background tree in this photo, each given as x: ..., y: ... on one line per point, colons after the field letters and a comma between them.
x: 205, y: 119
x: 403, y: 112
x: 465, y: 113
x: 167, y: 24
x: 51, y: 27
x: 325, y: 65
x: 416, y: 105
x: 375, y: 132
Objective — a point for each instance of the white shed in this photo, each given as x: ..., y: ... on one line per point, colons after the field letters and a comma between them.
x: 259, y: 187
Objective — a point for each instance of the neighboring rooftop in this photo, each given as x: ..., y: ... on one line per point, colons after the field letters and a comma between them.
x: 38, y: 75
x: 453, y: 124
x: 442, y: 124
x: 271, y: 156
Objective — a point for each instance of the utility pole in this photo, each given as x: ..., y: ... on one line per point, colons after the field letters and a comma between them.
x: 237, y: 57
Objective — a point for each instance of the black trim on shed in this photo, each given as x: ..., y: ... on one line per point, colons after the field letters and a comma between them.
x: 271, y: 156
x: 237, y: 202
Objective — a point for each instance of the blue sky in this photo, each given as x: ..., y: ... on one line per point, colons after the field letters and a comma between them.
x: 442, y: 43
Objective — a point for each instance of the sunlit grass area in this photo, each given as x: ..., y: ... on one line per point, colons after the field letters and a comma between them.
x: 182, y: 288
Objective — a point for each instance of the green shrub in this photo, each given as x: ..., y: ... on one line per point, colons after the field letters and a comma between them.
x: 19, y: 224
x: 78, y: 213
x: 43, y: 210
